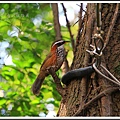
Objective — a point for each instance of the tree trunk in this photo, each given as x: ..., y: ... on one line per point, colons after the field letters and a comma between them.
x: 94, y: 95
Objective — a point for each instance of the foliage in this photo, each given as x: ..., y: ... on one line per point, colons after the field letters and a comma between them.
x: 28, y: 29
x: 26, y: 50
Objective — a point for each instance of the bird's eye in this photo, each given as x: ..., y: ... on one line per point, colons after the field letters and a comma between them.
x: 60, y: 43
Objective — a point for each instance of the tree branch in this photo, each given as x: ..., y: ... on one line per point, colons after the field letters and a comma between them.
x: 59, y: 87
x: 68, y: 25
x: 56, y: 21
x: 81, y: 6
x: 103, y: 93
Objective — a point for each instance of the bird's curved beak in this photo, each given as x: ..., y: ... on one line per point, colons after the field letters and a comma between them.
x: 67, y: 41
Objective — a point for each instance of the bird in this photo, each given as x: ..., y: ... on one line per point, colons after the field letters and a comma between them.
x: 54, y: 59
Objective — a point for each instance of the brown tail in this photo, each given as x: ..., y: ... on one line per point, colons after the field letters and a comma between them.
x: 37, y: 84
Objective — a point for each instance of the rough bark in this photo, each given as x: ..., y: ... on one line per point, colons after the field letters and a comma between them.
x: 87, y: 96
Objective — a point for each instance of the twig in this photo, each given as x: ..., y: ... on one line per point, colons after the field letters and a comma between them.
x: 59, y: 87
x: 112, y: 25
x: 81, y: 6
x: 68, y: 25
x: 107, y: 91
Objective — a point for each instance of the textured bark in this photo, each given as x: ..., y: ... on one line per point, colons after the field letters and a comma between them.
x: 112, y: 57
x: 88, y: 96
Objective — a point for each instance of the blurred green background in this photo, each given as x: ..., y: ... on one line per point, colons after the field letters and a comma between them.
x: 26, y: 33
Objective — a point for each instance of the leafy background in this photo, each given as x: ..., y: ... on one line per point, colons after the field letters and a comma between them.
x: 26, y: 33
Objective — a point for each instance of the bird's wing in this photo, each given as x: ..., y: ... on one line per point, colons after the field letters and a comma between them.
x: 49, y: 61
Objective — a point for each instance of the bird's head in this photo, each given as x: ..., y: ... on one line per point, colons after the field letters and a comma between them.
x: 58, y: 43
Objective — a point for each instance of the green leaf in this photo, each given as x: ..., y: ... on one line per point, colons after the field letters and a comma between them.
x: 1, y: 37
x: 2, y: 101
x: 35, y: 101
x: 25, y: 38
x: 6, y: 6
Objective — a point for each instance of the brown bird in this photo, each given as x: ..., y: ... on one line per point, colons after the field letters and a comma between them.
x: 54, y: 59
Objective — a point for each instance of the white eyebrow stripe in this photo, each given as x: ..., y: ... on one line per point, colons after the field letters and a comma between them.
x: 57, y: 42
